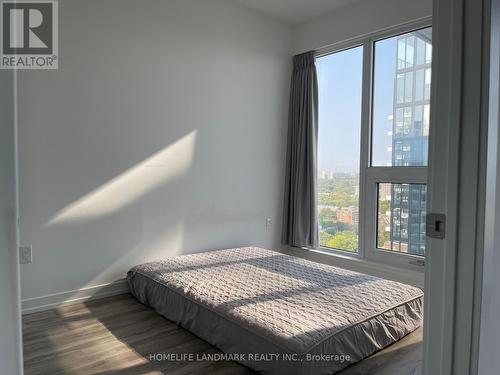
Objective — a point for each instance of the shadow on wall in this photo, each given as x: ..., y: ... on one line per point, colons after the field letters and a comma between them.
x: 110, y: 220
x: 135, y: 217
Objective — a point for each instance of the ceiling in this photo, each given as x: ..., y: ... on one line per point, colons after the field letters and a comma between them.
x: 295, y: 11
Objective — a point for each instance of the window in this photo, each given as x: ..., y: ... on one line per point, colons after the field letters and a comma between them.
x: 401, y: 217
x: 373, y: 152
x: 408, y: 105
x: 339, y: 81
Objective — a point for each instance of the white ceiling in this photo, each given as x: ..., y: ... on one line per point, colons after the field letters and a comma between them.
x: 295, y: 11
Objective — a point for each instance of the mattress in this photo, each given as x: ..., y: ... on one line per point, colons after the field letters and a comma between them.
x: 277, y: 313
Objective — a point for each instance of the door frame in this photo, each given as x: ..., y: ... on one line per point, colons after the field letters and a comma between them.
x: 456, y: 185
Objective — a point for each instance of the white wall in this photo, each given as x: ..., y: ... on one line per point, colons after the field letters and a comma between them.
x: 358, y: 19
x: 162, y: 132
x: 10, y: 327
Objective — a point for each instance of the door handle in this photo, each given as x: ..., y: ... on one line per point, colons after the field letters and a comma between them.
x: 435, y: 226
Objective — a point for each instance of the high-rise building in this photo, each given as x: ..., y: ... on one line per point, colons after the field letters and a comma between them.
x: 410, y: 134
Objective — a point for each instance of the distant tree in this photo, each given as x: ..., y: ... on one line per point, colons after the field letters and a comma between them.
x: 382, y: 237
x: 384, y: 206
x: 325, y: 218
x: 343, y: 227
x: 339, y: 191
x: 331, y: 230
x: 324, y: 238
x: 383, y: 222
x: 343, y: 199
x: 338, y: 226
x: 345, y: 240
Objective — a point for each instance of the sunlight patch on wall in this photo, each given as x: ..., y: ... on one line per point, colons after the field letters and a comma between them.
x: 173, y: 161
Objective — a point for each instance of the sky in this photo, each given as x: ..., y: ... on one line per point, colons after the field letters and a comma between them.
x: 339, y: 80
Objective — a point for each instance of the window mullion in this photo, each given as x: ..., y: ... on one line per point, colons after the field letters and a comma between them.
x: 397, y: 174
x: 365, y: 141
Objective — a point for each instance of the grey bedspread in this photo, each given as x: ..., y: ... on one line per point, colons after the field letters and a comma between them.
x: 253, y: 300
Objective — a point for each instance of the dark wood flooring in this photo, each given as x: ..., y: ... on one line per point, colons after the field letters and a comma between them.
x: 116, y: 335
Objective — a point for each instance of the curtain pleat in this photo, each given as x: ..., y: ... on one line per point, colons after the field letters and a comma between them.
x: 300, y: 223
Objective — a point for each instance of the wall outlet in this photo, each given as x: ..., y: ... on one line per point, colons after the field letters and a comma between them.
x: 25, y: 254
x: 269, y: 224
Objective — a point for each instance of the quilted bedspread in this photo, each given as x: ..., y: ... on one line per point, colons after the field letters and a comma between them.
x: 295, y: 302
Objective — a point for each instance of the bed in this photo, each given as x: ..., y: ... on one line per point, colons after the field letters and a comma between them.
x: 277, y: 313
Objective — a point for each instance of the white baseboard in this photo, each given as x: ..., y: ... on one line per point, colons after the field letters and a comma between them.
x: 50, y: 301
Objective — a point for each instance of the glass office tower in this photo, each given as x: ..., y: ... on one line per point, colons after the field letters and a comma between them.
x: 410, y: 132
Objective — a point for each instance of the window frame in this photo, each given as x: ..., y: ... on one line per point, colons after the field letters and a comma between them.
x: 370, y: 176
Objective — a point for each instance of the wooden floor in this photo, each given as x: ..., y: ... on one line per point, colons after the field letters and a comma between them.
x: 116, y: 335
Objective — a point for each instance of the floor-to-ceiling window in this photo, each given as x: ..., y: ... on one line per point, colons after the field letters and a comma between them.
x: 374, y: 101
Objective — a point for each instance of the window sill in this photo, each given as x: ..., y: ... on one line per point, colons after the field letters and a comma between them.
x: 355, y: 263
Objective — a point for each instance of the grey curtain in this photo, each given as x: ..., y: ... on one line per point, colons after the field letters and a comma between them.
x: 300, y: 223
